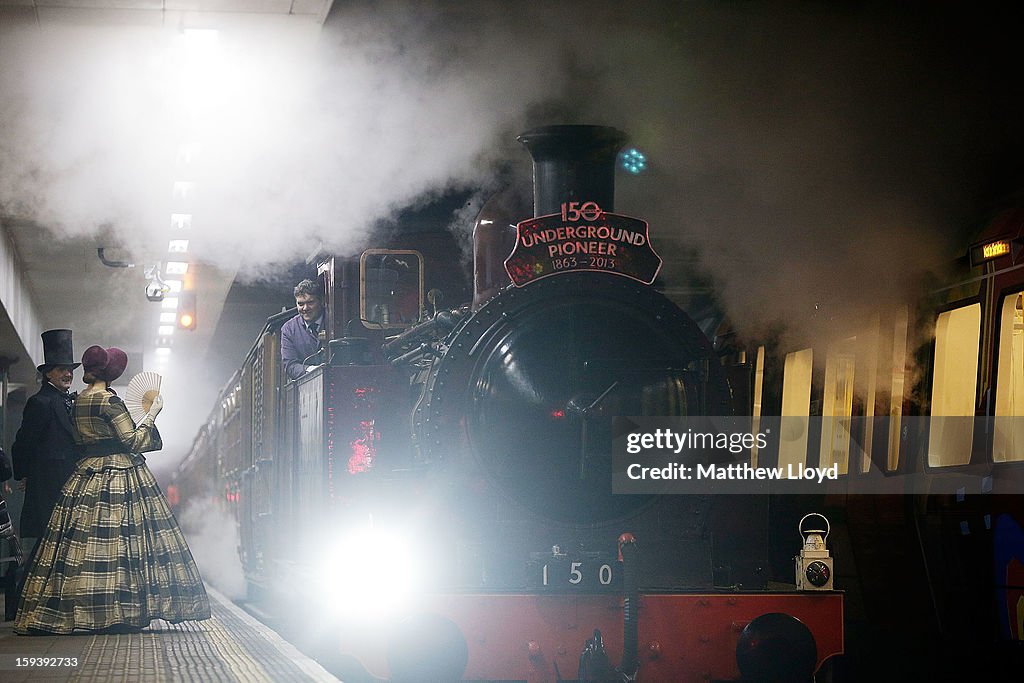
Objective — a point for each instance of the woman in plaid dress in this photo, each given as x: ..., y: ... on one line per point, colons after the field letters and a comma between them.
x: 113, y: 558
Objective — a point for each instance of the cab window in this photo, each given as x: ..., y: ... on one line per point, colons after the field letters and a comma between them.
x: 390, y: 288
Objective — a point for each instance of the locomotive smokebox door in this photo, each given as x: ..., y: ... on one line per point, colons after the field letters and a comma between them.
x: 813, y: 564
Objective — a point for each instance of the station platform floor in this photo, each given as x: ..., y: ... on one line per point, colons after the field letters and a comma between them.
x: 231, y: 647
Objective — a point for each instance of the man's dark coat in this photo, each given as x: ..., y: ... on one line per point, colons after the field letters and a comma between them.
x: 44, y: 451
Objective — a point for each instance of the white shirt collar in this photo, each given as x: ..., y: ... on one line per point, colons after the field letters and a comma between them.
x: 63, y: 391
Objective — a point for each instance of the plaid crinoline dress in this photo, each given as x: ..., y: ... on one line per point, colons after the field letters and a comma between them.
x: 113, y: 553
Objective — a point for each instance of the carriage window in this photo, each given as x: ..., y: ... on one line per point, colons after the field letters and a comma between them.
x: 957, y: 338
x: 837, y: 405
x: 1008, y: 439
x: 899, y: 369
x: 796, y: 407
x: 870, y: 395
x: 390, y: 288
x: 755, y: 414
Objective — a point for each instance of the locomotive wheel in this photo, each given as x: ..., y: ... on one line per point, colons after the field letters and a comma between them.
x: 528, y: 385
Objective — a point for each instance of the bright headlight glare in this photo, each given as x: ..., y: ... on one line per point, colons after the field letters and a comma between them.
x: 368, y: 573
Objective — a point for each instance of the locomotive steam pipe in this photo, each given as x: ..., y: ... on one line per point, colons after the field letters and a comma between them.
x: 440, y: 325
x: 416, y: 352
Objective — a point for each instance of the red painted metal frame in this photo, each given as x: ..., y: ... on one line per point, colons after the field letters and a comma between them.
x: 683, y: 638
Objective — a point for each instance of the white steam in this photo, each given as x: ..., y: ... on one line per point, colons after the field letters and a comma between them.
x: 819, y: 133
x: 212, y: 536
x: 806, y: 153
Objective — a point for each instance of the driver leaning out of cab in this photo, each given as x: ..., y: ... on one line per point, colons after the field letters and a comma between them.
x: 300, y: 336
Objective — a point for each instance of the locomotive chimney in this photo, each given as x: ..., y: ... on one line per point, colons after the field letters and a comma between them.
x: 570, y: 164
x: 573, y: 164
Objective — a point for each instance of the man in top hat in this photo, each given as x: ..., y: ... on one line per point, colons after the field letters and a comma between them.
x: 44, y: 450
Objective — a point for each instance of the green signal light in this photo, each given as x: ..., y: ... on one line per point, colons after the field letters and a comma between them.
x: 633, y: 161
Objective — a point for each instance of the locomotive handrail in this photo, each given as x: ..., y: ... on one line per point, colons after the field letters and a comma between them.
x: 628, y: 552
x: 282, y: 317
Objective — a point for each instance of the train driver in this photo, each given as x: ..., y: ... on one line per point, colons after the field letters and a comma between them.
x: 300, y: 336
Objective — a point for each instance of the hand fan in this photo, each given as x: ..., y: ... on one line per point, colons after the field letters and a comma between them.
x: 138, y: 397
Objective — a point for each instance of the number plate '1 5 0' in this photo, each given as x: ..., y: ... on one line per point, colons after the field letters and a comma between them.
x: 557, y: 574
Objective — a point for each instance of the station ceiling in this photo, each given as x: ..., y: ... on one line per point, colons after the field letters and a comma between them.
x: 158, y: 12
x: 57, y: 279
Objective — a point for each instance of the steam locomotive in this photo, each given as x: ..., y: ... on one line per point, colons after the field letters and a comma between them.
x: 438, y: 492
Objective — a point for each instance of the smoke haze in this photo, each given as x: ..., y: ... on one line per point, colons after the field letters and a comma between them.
x: 213, y: 540
x: 804, y: 153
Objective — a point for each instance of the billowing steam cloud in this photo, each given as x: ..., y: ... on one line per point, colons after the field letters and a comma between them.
x: 805, y: 154
x: 289, y: 141
x: 800, y: 155
x: 792, y: 147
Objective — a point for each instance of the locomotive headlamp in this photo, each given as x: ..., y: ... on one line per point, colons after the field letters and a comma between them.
x: 813, y: 564
x: 368, y: 573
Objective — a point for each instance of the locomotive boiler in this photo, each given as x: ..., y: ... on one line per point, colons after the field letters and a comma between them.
x: 439, y: 489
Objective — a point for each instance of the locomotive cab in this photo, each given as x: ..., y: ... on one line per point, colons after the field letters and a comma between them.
x: 380, y: 293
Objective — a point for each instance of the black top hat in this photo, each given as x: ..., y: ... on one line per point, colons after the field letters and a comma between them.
x: 57, y: 350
